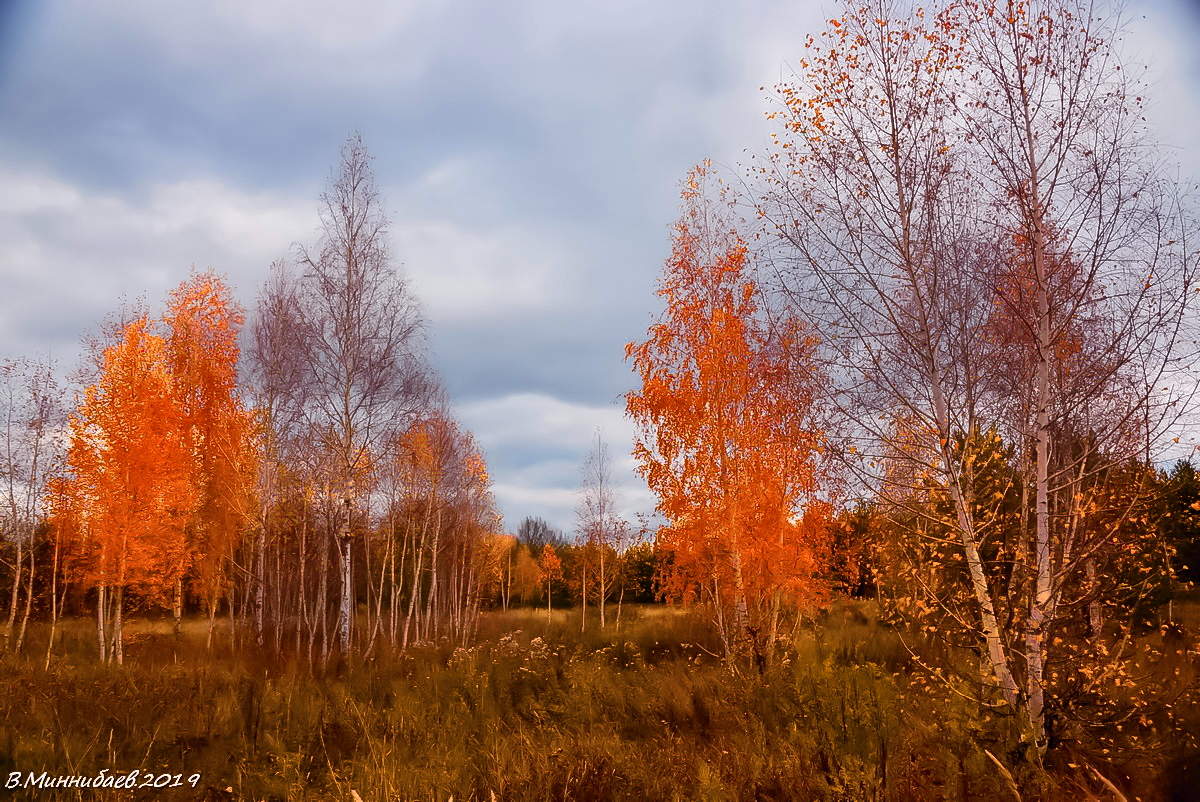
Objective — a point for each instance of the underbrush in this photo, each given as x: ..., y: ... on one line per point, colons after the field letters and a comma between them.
x: 534, y: 711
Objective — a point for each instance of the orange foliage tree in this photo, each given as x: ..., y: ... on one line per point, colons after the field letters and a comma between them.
x: 129, y: 494
x: 450, y: 505
x: 549, y: 570
x: 725, y: 437
x: 202, y: 347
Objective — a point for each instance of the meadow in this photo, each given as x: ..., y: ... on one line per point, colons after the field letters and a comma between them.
x: 535, y: 710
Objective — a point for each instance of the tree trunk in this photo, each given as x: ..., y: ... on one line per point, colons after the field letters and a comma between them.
x: 119, y: 626
x: 28, y: 601
x: 583, y: 593
x: 14, y: 601
x: 346, y: 604
x: 1040, y: 603
x: 212, y: 623
x: 101, y: 612
x: 260, y: 583
x: 54, y: 603
x: 620, y: 601
x: 1095, y: 611
x: 603, y: 587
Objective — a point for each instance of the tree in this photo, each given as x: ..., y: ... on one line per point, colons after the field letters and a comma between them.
x: 641, y: 569
x: 525, y: 574
x: 598, y: 525
x: 966, y: 210
x: 203, y: 323
x: 725, y: 438
x: 363, y: 338
x: 130, y: 493
x: 279, y: 380
x: 29, y: 455
x: 550, y: 570
x: 1180, y: 523
x: 536, y: 533
x: 454, y: 523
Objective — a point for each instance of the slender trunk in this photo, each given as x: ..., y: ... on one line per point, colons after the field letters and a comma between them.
x: 260, y: 583
x: 507, y: 577
x: 28, y: 600
x: 54, y: 603
x: 415, y: 591
x: 323, y: 596
x: 1095, y: 611
x: 303, y: 622
x: 1040, y: 602
x: 620, y: 601
x: 398, y: 581
x: 989, y: 624
x: 741, y: 609
x: 101, y: 639
x: 212, y: 622
x: 233, y: 628
x: 177, y: 607
x: 383, y: 564
x: 119, y: 625
x: 14, y: 601
x: 346, y: 603
x: 277, y: 617
x: 773, y: 628
x: 431, y: 620
x: 603, y: 587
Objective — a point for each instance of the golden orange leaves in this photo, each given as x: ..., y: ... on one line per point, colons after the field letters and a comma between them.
x: 161, y: 455
x: 130, y: 495
x: 722, y: 412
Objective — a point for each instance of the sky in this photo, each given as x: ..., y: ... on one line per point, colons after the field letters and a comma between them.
x: 528, y: 155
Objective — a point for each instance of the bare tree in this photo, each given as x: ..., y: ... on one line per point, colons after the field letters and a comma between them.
x: 363, y: 341
x: 598, y: 526
x: 1098, y: 288
x: 279, y: 377
x: 973, y: 221
x: 30, y: 452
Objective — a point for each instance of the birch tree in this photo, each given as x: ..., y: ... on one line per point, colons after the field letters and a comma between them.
x: 726, y: 437
x: 363, y: 338
x: 30, y: 453
x: 967, y: 208
x: 597, y: 518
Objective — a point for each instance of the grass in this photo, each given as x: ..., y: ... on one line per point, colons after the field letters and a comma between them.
x: 534, y: 711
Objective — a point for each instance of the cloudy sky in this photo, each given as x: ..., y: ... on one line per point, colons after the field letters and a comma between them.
x: 528, y: 154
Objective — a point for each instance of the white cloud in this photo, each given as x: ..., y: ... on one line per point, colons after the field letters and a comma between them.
x: 559, y: 433
x: 536, y: 418
x: 461, y: 273
x: 74, y: 253
x: 70, y: 255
